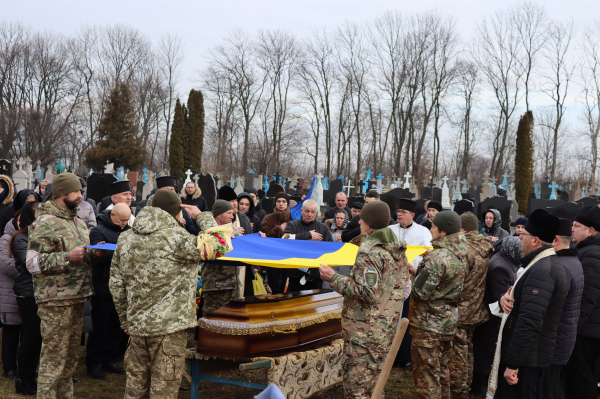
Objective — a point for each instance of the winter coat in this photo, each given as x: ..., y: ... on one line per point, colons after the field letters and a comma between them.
x: 252, y: 218
x: 19, y: 201
x: 23, y: 285
x: 438, y: 286
x: 9, y: 310
x: 352, y: 229
x: 259, y: 212
x: 567, y: 328
x: 241, y: 220
x: 108, y: 232
x: 374, y: 292
x: 54, y: 233
x: 589, y: 315
x: 154, y: 272
x: 195, y: 199
x: 302, y: 229
x: 7, y: 195
x: 271, y: 225
x: 496, y: 230
x: 86, y: 213
x: 529, y: 333
x: 471, y: 309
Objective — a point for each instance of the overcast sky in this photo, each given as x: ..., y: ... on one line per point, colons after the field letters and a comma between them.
x: 202, y: 24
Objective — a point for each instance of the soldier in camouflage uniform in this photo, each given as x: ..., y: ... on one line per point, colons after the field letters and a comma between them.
x: 433, y: 311
x: 153, y: 280
x: 62, y: 282
x: 373, y: 297
x: 471, y: 309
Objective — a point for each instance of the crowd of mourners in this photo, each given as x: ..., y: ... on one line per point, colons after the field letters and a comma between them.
x: 516, y: 316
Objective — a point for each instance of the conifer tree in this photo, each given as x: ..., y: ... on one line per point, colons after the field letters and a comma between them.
x: 119, y: 140
x: 177, y: 142
x: 524, y: 160
x: 195, y: 122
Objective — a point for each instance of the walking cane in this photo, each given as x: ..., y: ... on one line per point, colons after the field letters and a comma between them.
x: 389, y: 360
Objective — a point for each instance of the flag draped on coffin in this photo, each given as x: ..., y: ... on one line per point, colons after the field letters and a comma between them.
x: 253, y: 249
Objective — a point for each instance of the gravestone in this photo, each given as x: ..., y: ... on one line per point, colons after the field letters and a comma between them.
x: 139, y: 191
x: 545, y: 190
x: 326, y: 197
x: 274, y: 189
x: 563, y: 196
x: 301, y: 188
x: 463, y: 206
x: 5, y: 167
x: 426, y: 193
x: 98, y: 186
x: 541, y: 204
x: 207, y: 185
x: 20, y: 177
x: 249, y: 179
x: 260, y: 193
x: 437, y: 194
x: 335, y: 186
x: 179, y: 182
x: 587, y: 201
x: 514, y: 212
x: 267, y: 205
x: 420, y: 207
x: 502, y: 204
x: 132, y: 177
x: 398, y: 193
x: 568, y: 210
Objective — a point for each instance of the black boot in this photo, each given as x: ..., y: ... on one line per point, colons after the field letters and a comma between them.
x: 113, y: 368
x: 96, y: 373
x: 26, y: 387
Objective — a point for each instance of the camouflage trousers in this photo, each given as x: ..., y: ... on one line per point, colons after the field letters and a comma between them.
x: 154, y: 366
x: 61, y: 328
x: 214, y: 300
x: 430, y: 356
x: 361, y: 369
x: 461, y: 363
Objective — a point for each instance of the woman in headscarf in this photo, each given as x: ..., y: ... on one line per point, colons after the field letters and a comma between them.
x: 492, y: 221
x: 246, y: 206
x: 502, y: 273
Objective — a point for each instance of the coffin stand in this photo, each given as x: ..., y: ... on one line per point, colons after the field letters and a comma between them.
x: 271, y: 325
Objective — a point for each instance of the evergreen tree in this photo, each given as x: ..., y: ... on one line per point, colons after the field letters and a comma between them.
x: 177, y: 142
x: 524, y: 160
x: 195, y: 122
x: 119, y: 140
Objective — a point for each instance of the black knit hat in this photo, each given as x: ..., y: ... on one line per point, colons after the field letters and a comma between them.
x: 435, y: 205
x: 357, y: 205
x: 543, y: 225
x: 565, y: 228
x: 284, y: 196
x: 165, y: 181
x: 589, y: 216
x: 407, y: 204
x: 251, y: 190
x: 119, y: 187
x: 226, y: 193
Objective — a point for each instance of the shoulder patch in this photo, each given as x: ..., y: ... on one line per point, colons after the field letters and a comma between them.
x: 371, y: 277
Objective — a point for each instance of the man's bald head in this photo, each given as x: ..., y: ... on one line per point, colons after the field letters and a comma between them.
x: 309, y: 210
x: 120, y: 215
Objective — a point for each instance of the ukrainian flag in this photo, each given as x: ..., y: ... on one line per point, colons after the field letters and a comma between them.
x: 253, y: 249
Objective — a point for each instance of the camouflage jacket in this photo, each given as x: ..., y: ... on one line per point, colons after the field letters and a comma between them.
x: 374, y: 291
x: 154, y: 273
x: 54, y: 233
x: 438, y: 286
x: 217, y: 277
x: 471, y: 310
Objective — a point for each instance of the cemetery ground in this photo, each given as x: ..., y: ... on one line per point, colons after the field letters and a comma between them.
x: 399, y: 385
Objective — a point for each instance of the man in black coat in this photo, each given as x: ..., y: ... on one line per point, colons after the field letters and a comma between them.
x: 103, y: 342
x: 582, y: 373
x: 534, y: 310
x: 192, y: 195
x: 341, y: 202
x: 306, y: 228
x: 555, y: 374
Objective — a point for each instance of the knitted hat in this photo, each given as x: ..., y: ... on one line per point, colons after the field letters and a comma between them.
x: 521, y: 221
x: 284, y: 196
x: 469, y: 222
x: 543, y: 225
x: 589, y: 216
x: 226, y: 193
x: 565, y: 227
x: 376, y: 214
x: 447, y: 221
x: 435, y: 205
x: 407, y: 204
x: 64, y: 184
x: 168, y: 201
x: 251, y: 190
x: 221, y: 206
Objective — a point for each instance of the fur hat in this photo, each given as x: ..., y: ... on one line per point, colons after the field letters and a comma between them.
x: 226, y: 193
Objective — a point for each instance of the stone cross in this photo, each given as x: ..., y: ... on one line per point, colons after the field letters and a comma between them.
x: 380, y: 177
x: 348, y: 187
x: 188, y: 173
x: 504, y: 182
x: 276, y: 177
x: 20, y: 162
x: 537, y: 190
x: 464, y: 187
x: 553, y: 186
x: 145, y: 177
x: 325, y: 183
x: 298, y: 186
x: 196, y: 178
x: 445, y: 179
x: 266, y: 183
x: 60, y: 167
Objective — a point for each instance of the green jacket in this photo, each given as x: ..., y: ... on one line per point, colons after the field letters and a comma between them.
x: 438, y: 285
x: 154, y: 273
x: 374, y: 291
x: 54, y: 233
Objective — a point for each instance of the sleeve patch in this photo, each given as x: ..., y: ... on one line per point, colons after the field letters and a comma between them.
x: 371, y: 277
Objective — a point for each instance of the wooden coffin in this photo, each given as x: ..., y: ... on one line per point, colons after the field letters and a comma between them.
x: 270, y: 325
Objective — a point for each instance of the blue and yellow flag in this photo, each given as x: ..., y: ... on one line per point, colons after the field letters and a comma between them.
x: 253, y: 249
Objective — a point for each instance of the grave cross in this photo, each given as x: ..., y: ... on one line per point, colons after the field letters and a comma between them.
x: 380, y: 176
x: 464, y: 188
x: 348, y: 187
x: 553, y: 186
x: 361, y: 186
x: 298, y: 186
x: 266, y: 185
x: 276, y: 177
x: 145, y: 178
x: 445, y: 179
x: 21, y: 162
x: 196, y: 178
x: 407, y: 176
x: 505, y: 181
x: 188, y: 173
